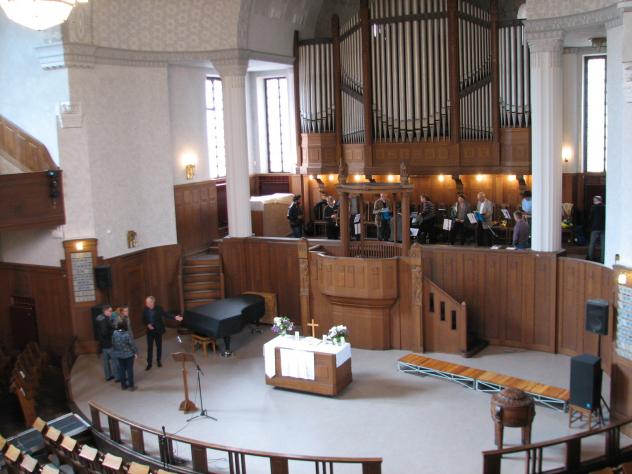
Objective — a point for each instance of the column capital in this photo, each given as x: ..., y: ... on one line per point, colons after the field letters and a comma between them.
x: 545, y: 41
x: 231, y: 66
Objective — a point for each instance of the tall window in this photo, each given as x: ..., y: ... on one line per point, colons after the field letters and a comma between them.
x: 595, y: 118
x: 281, y: 158
x: 215, y: 127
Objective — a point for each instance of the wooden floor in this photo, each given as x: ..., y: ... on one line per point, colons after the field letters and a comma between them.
x: 484, y: 380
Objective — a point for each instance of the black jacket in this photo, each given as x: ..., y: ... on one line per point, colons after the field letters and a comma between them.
x: 157, y: 320
x: 105, y: 328
x: 597, y: 217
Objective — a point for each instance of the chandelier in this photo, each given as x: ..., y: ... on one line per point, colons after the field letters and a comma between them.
x: 38, y: 14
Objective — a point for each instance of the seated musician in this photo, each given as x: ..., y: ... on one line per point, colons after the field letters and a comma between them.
x: 521, y: 231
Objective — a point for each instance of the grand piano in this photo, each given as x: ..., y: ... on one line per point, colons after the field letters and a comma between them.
x: 225, y: 317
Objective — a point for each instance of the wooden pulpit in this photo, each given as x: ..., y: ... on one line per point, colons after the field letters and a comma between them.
x: 186, y: 405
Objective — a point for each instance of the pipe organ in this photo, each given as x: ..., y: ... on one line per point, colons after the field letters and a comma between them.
x: 515, y: 108
x: 410, y: 70
x: 316, y: 79
x: 351, y: 81
x: 439, y: 84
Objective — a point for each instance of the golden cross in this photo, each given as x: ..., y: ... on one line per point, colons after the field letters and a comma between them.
x: 313, y: 325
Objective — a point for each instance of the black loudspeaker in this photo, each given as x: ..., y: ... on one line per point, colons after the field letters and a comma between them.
x: 597, y: 316
x: 103, y: 277
x: 586, y: 381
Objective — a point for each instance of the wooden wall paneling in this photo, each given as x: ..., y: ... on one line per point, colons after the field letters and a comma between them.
x: 320, y: 306
x: 26, y: 201
x: 519, y: 300
x: 544, y: 320
x: 271, y: 265
x: 578, y: 281
x: 620, y: 399
x: 196, y: 215
x: 495, y: 296
x: 48, y: 287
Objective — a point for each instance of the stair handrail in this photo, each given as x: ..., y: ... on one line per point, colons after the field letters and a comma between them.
x: 25, y: 149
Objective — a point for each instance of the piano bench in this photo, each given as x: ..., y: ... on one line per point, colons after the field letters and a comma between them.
x: 203, y: 342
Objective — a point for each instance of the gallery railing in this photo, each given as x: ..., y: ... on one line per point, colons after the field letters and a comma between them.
x: 279, y: 463
x: 613, y: 453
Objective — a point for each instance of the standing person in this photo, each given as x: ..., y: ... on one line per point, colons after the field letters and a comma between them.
x: 381, y: 211
x: 153, y: 319
x: 484, y: 227
x: 295, y: 216
x: 105, y: 328
x: 122, y: 313
x: 597, y: 224
x: 330, y: 214
x: 425, y: 220
x: 354, y: 210
x: 521, y: 231
x: 124, y: 349
x: 459, y: 214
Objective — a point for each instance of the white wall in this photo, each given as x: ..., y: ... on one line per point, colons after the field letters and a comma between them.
x: 187, y: 105
x: 30, y: 95
x: 29, y: 98
x: 127, y: 127
x: 166, y: 25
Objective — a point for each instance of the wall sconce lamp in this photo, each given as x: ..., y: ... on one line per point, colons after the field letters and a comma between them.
x: 511, y: 177
x: 441, y: 178
x: 622, y: 279
x: 190, y: 171
x: 567, y: 153
x: 79, y: 246
x: 189, y: 159
x: 479, y: 178
x: 131, y: 239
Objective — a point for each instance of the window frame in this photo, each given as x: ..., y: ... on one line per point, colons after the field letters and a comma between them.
x: 267, y: 122
x: 586, y: 59
x: 217, y: 175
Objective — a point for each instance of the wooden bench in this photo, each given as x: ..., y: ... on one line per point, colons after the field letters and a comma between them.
x: 484, y: 380
x: 204, y: 342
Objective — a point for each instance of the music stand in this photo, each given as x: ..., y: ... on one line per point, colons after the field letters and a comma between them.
x: 186, y: 405
x: 186, y: 357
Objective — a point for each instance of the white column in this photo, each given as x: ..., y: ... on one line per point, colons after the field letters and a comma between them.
x: 546, y: 140
x: 619, y: 164
x: 233, y: 74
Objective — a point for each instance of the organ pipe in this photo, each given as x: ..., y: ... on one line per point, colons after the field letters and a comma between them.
x: 409, y: 75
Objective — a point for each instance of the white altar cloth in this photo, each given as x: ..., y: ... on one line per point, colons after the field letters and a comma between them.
x: 304, y: 344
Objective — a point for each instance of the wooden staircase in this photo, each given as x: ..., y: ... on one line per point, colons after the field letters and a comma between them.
x: 202, y: 279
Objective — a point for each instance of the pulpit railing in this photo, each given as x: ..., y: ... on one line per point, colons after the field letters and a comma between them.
x: 194, y: 454
x: 375, y: 249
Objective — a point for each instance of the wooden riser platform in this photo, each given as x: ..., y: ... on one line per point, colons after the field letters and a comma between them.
x: 484, y: 380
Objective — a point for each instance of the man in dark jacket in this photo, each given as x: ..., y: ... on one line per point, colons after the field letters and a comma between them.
x: 295, y: 216
x: 153, y: 319
x: 597, y: 222
x: 105, y: 328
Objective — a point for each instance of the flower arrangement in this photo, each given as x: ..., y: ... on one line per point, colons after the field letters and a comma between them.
x: 337, y: 334
x: 282, y: 324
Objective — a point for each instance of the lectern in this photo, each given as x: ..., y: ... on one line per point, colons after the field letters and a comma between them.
x: 186, y: 405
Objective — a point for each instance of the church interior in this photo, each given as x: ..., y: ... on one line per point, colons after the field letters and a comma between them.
x: 361, y: 236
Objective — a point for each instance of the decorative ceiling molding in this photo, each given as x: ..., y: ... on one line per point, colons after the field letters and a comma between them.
x: 77, y: 55
x: 579, y: 20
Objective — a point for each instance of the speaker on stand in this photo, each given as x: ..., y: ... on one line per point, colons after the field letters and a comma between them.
x: 596, y: 321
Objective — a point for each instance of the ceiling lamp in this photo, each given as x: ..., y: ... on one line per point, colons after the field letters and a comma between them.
x: 38, y: 14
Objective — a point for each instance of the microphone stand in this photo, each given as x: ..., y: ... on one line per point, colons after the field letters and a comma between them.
x: 203, y: 413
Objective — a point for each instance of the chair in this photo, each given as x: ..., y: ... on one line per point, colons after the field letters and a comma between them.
x: 204, y: 342
x: 136, y: 468
x: 112, y: 463
x: 28, y: 464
